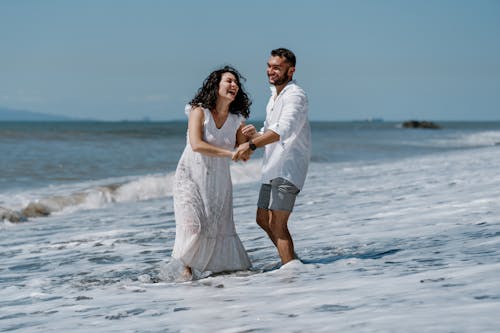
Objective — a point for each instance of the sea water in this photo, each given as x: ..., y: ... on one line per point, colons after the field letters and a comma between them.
x: 397, y: 230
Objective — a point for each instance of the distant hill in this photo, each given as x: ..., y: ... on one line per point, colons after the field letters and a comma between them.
x: 21, y: 115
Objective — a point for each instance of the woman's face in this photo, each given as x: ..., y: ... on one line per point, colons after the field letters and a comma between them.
x: 228, y: 86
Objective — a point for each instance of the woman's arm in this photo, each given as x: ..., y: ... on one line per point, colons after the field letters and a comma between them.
x: 240, y: 136
x: 195, y: 132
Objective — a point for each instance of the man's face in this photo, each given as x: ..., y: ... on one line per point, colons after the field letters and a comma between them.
x: 279, y: 70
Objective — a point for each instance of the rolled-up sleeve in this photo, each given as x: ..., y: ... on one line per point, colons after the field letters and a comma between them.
x: 293, y: 115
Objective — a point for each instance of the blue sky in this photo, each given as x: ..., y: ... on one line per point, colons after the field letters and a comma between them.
x: 116, y: 60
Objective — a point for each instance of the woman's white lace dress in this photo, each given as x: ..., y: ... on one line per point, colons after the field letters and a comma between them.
x: 206, y: 238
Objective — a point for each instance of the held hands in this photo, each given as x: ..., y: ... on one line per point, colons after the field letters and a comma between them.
x: 242, y: 153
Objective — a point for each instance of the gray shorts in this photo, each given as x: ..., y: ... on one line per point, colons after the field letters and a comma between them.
x: 279, y: 195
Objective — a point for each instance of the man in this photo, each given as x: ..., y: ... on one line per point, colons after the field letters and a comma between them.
x: 286, y: 136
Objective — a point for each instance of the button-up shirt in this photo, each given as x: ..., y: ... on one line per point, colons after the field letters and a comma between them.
x: 287, y: 115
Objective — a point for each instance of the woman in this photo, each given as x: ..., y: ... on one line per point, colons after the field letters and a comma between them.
x: 206, y: 240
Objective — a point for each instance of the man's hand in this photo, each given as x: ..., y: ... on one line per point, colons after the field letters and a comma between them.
x: 249, y: 131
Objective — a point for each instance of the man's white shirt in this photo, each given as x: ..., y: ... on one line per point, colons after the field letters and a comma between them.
x: 287, y: 115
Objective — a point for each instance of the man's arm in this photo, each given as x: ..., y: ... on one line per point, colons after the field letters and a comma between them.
x: 259, y: 140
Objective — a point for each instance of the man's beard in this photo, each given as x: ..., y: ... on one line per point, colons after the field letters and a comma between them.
x: 282, y: 80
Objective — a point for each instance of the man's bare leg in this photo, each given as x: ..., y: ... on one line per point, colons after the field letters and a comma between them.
x: 278, y: 225
x: 263, y: 217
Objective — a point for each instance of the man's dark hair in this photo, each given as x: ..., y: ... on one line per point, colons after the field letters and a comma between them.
x: 285, y: 53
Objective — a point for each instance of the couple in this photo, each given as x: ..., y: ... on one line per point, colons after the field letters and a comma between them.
x: 206, y: 239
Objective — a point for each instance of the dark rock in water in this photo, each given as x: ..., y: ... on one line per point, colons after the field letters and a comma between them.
x: 10, y: 215
x: 36, y: 209
x: 420, y: 124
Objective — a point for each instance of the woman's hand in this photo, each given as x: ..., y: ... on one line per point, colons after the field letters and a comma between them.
x: 242, y: 153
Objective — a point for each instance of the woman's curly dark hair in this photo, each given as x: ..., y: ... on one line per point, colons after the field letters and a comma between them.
x: 208, y: 93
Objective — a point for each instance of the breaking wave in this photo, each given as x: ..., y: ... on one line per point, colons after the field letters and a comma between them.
x: 469, y: 140
x: 98, y: 196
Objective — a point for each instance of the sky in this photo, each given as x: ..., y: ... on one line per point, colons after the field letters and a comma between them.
x: 356, y: 60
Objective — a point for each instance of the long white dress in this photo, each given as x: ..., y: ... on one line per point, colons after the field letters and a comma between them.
x: 206, y: 238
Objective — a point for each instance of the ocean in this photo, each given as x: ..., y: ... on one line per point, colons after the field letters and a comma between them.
x: 398, y: 230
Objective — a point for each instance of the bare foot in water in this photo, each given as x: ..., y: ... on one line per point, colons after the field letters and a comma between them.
x: 187, y: 274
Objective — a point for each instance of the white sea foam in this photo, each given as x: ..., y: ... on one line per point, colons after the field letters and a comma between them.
x: 402, y: 246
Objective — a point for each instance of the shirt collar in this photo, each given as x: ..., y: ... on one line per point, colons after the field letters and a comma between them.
x: 290, y: 83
